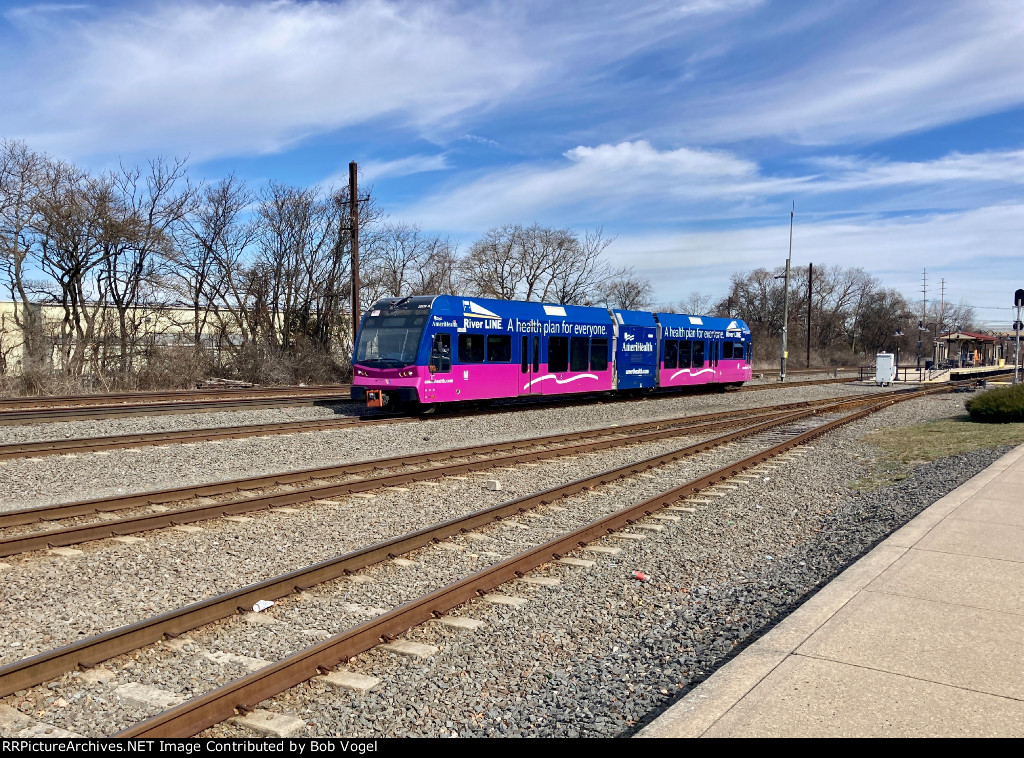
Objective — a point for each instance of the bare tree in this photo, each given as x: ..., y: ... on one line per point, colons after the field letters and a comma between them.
x: 77, y: 221
x: 538, y: 263
x: 205, y: 264
x: 625, y: 289
x: 21, y: 174
x: 149, y: 208
x: 696, y: 303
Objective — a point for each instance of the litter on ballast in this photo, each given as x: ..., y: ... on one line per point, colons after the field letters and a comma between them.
x: 640, y: 576
x: 262, y: 605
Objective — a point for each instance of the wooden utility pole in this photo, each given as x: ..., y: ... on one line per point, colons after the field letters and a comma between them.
x: 353, y: 210
x: 810, y: 280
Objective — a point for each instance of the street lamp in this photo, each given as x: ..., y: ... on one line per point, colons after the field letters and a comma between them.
x: 897, y: 334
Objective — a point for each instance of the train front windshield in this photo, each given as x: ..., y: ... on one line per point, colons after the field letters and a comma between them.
x: 390, y: 340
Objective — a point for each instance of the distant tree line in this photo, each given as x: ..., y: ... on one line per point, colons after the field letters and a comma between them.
x: 159, y: 279
x: 851, y: 315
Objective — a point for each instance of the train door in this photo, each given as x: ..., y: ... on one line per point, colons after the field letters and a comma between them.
x: 441, y: 354
x: 529, y: 365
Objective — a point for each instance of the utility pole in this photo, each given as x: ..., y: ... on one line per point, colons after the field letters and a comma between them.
x: 941, y: 318
x: 920, y: 324
x: 353, y: 210
x: 810, y: 289
x: 785, y: 310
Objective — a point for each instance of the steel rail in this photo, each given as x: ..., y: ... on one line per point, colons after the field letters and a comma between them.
x: 46, y: 415
x: 90, y: 652
x: 156, y: 497
x: 245, y: 693
x: 118, y: 398
x: 45, y: 448
x: 75, y: 535
x: 179, y: 436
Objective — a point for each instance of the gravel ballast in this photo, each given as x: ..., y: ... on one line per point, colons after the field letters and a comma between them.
x: 55, y: 479
x: 597, y: 655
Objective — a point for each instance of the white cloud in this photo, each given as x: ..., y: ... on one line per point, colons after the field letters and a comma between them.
x: 215, y: 79
x: 413, y: 164
x: 909, y: 68
x: 1006, y: 166
x: 634, y: 180
x: 602, y: 178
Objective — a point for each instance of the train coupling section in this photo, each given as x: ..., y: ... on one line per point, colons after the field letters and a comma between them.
x: 375, y: 399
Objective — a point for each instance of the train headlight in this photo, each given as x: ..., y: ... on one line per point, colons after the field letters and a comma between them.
x: 408, y: 372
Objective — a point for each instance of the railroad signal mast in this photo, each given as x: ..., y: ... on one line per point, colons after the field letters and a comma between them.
x: 1018, y: 302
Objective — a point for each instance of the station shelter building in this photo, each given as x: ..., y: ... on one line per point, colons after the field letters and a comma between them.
x: 963, y: 349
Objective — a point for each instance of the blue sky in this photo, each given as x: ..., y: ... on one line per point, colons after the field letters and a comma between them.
x: 686, y: 130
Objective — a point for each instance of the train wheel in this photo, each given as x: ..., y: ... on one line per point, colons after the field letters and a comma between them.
x: 427, y: 409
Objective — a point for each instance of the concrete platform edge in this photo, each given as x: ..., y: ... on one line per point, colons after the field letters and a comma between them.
x: 702, y: 707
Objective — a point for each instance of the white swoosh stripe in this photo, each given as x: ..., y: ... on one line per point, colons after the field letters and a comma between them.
x: 688, y: 371
x: 560, y: 381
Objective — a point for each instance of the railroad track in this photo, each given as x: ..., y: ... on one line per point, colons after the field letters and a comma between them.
x: 285, y: 398
x: 94, y: 444
x: 190, y: 718
x: 133, y: 398
x: 46, y: 415
x: 409, y: 469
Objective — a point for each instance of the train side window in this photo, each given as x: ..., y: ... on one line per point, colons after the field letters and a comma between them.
x: 524, y: 357
x: 599, y: 354
x: 579, y: 353
x: 685, y: 348
x: 558, y: 354
x: 726, y: 351
x: 536, y: 354
x: 748, y: 352
x: 441, y: 354
x: 698, y: 353
x: 471, y: 348
x: 499, y: 348
x: 671, y: 353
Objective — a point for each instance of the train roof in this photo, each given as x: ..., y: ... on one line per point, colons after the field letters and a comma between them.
x: 634, y: 318
x: 481, y: 307
x: 726, y: 325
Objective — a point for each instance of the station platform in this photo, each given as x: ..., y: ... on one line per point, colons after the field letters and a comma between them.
x: 922, y: 637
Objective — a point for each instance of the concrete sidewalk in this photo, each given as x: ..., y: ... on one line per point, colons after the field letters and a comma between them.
x: 923, y: 637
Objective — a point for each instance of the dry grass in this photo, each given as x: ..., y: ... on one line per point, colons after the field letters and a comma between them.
x: 906, y: 446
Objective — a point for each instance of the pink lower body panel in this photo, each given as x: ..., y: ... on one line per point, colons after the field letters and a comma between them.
x: 725, y: 372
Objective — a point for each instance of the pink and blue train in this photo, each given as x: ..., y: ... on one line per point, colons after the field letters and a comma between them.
x: 426, y: 351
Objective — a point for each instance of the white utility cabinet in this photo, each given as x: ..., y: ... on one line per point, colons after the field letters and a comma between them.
x: 885, y: 369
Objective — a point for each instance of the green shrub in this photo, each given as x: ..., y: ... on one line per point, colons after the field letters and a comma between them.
x: 1000, y: 405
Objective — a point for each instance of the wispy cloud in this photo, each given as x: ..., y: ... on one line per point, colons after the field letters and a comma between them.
x: 413, y: 164
x: 636, y: 181
x: 879, y: 70
x: 216, y: 79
